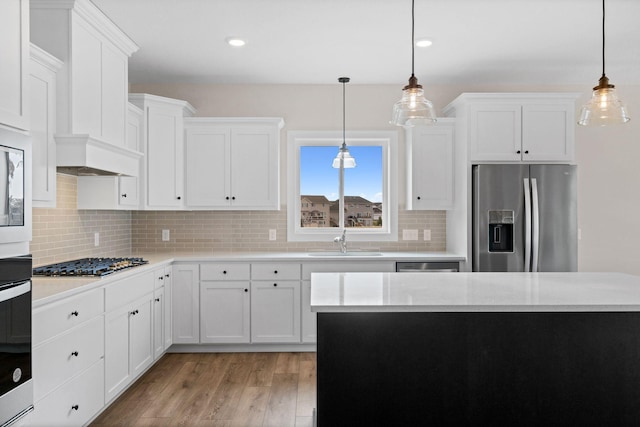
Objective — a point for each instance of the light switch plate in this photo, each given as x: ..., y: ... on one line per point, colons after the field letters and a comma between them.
x: 96, y: 239
x: 165, y: 235
x: 427, y: 235
x: 272, y: 234
x: 409, y: 234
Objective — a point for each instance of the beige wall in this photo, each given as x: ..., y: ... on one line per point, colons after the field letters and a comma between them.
x: 607, y: 158
x: 63, y: 233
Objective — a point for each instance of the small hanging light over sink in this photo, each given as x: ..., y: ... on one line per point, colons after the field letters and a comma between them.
x: 344, y: 156
x: 413, y: 108
x: 604, y: 108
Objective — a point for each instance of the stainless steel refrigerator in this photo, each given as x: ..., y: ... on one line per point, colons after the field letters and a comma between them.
x: 525, y: 218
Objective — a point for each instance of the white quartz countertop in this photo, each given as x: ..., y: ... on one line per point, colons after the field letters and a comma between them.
x: 474, y: 292
x: 49, y: 289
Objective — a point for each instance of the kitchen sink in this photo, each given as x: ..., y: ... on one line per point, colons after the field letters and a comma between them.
x: 339, y: 254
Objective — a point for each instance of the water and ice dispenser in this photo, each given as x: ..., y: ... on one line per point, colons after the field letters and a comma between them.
x: 500, y: 231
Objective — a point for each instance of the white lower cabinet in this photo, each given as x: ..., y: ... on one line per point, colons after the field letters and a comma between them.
x: 68, y: 360
x: 185, y: 307
x: 275, y: 311
x: 162, y: 312
x: 225, y: 315
x: 128, y: 331
x: 75, y: 403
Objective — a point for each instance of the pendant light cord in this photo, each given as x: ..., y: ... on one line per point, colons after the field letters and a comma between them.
x: 344, y: 113
x: 413, y: 7
x: 602, y: 38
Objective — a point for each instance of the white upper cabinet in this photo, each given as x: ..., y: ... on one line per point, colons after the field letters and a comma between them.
x: 232, y: 163
x: 14, y: 63
x: 517, y: 127
x: 42, y: 93
x: 163, y: 145
x: 430, y: 166
x: 92, y: 85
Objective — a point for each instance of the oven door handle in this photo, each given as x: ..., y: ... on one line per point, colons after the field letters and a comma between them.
x: 14, y: 290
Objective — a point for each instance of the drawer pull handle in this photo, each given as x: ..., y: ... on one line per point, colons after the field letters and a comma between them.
x: 74, y: 353
x: 74, y: 313
x: 75, y: 407
x: 157, y: 299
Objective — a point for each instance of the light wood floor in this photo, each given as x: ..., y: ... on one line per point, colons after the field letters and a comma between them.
x: 221, y: 390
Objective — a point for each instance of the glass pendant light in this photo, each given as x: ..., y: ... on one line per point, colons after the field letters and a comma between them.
x: 604, y: 108
x: 413, y: 108
x: 344, y: 158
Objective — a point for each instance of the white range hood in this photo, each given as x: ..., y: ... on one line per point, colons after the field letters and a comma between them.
x: 85, y: 155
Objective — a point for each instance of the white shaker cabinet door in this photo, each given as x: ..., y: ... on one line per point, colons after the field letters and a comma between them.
x: 225, y: 315
x: 275, y: 311
x: 208, y: 157
x: 14, y: 63
x: 185, y: 303
x: 495, y: 132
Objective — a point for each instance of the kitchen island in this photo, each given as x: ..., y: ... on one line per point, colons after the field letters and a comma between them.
x: 477, y: 348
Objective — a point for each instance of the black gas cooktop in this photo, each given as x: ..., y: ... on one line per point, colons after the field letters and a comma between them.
x: 88, y: 267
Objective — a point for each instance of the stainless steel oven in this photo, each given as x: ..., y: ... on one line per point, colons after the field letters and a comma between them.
x: 16, y: 384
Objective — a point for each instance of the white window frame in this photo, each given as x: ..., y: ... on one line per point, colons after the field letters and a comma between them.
x: 388, y: 140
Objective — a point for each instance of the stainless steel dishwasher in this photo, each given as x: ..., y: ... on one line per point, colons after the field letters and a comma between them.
x: 428, y: 267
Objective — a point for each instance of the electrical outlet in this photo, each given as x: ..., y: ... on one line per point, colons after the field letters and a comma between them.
x: 579, y: 233
x: 272, y: 234
x: 427, y: 235
x: 409, y: 234
x: 96, y: 239
x: 165, y: 235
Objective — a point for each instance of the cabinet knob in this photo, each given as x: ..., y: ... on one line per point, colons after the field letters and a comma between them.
x: 161, y: 278
x: 233, y: 198
x: 74, y: 313
x: 75, y: 407
x: 124, y: 195
x: 227, y: 198
x: 518, y: 152
x: 526, y: 152
x: 167, y: 275
x: 157, y: 299
x: 179, y: 198
x: 418, y: 197
x: 275, y: 284
x: 246, y: 290
x: 224, y: 271
x: 275, y: 271
x: 74, y: 353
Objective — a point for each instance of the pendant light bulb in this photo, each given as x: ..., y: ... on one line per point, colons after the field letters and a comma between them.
x: 604, y: 107
x: 344, y: 157
x: 413, y: 108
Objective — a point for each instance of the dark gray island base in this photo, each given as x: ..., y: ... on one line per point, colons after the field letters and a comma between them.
x: 478, y: 368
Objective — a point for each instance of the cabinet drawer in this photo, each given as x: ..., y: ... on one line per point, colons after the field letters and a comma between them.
x: 225, y: 271
x: 347, y: 267
x: 127, y: 290
x: 66, y: 356
x: 53, y: 319
x: 73, y: 404
x: 275, y: 271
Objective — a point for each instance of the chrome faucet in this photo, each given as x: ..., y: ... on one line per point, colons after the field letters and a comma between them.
x: 342, y: 241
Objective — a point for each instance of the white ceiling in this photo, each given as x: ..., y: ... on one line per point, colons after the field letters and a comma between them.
x: 316, y: 41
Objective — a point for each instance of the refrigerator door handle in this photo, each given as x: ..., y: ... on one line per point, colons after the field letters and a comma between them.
x: 527, y: 225
x: 535, y: 232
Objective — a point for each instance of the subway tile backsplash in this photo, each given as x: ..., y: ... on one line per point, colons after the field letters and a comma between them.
x: 65, y: 233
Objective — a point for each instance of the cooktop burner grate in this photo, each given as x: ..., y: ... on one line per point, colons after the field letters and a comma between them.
x: 88, y: 267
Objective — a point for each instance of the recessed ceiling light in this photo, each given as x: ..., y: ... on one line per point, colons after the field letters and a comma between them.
x: 235, y: 41
x: 423, y: 42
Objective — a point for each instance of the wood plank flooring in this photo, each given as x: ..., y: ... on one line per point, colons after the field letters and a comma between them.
x: 220, y: 390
